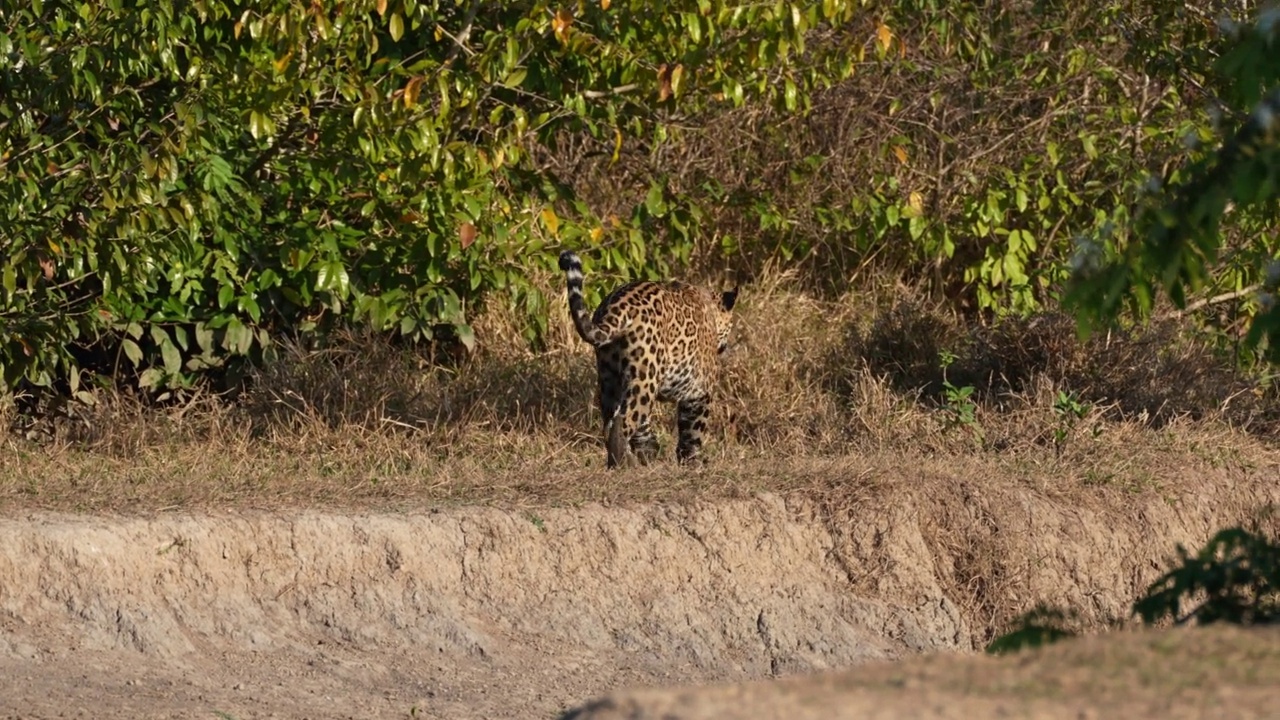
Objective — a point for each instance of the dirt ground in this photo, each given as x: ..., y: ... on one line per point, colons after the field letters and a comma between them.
x: 1215, y: 672
x: 470, y: 611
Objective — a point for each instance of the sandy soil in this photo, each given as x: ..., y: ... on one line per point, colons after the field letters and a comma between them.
x: 482, y: 612
x: 1215, y: 672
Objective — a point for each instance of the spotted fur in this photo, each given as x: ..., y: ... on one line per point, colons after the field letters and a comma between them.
x: 654, y: 342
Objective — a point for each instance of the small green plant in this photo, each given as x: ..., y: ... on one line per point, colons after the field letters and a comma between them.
x: 1069, y: 409
x: 958, y: 406
x: 1068, y: 405
x: 538, y: 522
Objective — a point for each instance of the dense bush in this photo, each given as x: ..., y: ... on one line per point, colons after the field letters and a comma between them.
x: 181, y: 183
x: 1206, y: 226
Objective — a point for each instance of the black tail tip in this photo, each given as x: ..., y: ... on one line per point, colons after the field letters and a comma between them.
x: 569, y: 260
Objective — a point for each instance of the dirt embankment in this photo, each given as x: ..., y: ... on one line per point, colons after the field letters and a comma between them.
x: 484, y: 612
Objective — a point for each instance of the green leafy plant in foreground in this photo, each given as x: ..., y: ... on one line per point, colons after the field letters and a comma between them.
x: 1234, y: 578
x: 1205, y: 227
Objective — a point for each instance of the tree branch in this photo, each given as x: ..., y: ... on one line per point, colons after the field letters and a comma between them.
x: 460, y: 41
x: 1216, y: 299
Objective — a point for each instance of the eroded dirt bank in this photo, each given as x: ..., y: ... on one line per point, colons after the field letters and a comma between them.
x: 484, y: 612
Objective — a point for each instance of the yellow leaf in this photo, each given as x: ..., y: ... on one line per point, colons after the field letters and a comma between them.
x: 411, y: 91
x: 604, y: 4
x: 283, y: 62
x: 901, y: 153
x: 382, y: 8
x: 236, y: 30
x: 560, y: 23
x: 596, y: 234
x: 55, y: 247
x: 550, y: 220
x: 884, y: 36
x: 677, y: 73
x: 915, y: 200
x: 617, y: 144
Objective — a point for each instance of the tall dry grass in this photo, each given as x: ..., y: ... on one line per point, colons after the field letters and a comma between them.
x: 366, y: 420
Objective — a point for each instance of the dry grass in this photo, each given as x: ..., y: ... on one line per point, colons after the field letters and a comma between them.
x: 806, y: 384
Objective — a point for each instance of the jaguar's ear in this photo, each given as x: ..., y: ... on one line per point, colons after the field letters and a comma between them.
x: 728, y: 298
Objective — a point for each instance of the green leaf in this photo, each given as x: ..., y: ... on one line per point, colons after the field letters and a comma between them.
x: 204, y: 337
x: 151, y: 378
x: 247, y: 303
x: 515, y: 78
x: 238, y: 338
x: 466, y: 335
x: 132, y: 351
x: 654, y: 201
x: 172, y: 358
x: 332, y: 276
x: 693, y: 25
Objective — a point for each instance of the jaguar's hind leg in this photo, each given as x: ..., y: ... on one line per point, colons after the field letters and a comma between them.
x: 692, y: 416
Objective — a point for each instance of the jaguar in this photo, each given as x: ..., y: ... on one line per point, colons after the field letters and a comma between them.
x: 654, y: 342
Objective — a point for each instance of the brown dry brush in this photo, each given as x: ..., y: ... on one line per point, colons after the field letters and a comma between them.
x: 803, y: 376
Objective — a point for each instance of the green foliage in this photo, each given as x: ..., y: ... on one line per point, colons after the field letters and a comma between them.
x: 958, y: 406
x: 1206, y: 226
x: 1235, y: 578
x: 168, y: 208
x: 1021, y: 121
x: 182, y: 182
x: 1069, y: 409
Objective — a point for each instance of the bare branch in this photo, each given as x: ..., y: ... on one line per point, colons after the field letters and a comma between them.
x: 621, y: 89
x: 1216, y: 299
x: 460, y: 41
